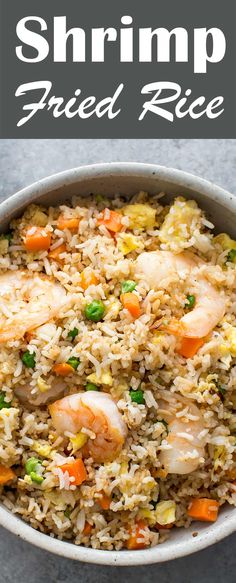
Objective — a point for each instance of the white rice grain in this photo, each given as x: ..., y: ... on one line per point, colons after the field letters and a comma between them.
x: 80, y: 522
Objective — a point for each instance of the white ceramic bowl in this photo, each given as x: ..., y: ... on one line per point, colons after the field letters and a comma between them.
x: 127, y: 178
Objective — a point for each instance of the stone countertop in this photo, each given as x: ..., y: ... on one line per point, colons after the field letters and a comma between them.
x: 21, y: 163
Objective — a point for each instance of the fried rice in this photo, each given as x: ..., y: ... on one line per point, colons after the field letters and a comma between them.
x: 131, y: 354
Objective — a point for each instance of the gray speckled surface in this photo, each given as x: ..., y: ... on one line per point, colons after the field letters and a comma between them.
x: 23, y: 162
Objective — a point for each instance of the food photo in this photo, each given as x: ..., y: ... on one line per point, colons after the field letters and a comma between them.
x: 117, y: 292
x: 118, y: 347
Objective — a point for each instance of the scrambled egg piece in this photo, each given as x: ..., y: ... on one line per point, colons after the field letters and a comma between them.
x: 114, y: 307
x: 42, y: 449
x: 124, y: 468
x: 219, y: 456
x: 121, y: 388
x: 231, y: 337
x: 127, y: 243
x: 225, y: 241
x: 147, y: 514
x: 42, y: 385
x: 182, y: 218
x: 104, y: 379
x: 165, y: 512
x: 4, y: 244
x: 158, y: 338
x: 224, y: 349
x: 78, y: 441
x: 36, y: 216
x: 141, y: 216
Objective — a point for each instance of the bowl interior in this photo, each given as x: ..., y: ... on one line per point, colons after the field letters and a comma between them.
x: 128, y: 179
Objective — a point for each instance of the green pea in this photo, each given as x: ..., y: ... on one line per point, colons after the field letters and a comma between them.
x: 232, y: 256
x: 36, y: 478
x: 137, y: 396
x: 95, y: 311
x: 28, y: 359
x: 74, y: 362
x: 221, y: 390
x: 8, y: 236
x: 191, y: 300
x: 4, y: 404
x: 73, y: 333
x: 99, y: 198
x: 128, y: 286
x: 32, y: 464
x: 91, y: 387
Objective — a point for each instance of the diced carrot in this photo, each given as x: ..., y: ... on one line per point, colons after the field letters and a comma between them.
x: 164, y: 526
x: 87, y: 278
x: 63, y: 369
x: 190, y: 346
x: 87, y: 528
x: 131, y: 302
x: 6, y: 474
x: 28, y: 336
x: 77, y: 470
x: 37, y: 239
x: 111, y: 220
x: 136, y: 537
x: 159, y: 473
x: 70, y: 223
x: 105, y: 501
x: 204, y: 509
x: 57, y: 252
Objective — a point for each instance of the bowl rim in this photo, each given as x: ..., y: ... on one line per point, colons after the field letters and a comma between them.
x: 132, y: 169
x: 157, y: 554
x: 13, y: 523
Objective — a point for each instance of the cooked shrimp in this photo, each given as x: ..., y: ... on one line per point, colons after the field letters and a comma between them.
x: 26, y: 302
x: 185, y: 425
x: 98, y: 413
x: 24, y: 394
x: 161, y: 267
